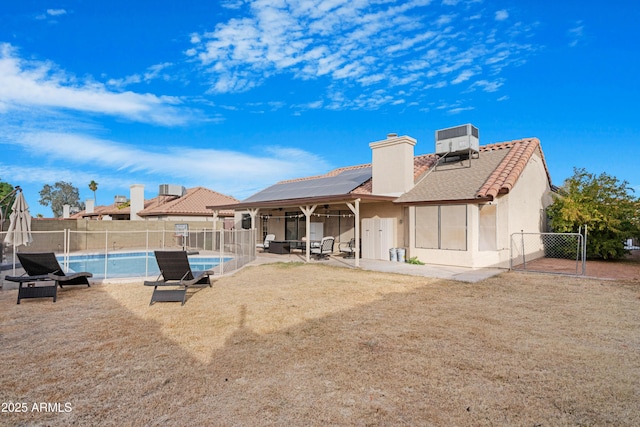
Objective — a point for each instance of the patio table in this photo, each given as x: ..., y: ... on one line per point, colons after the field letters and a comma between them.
x: 286, y: 246
x: 279, y: 247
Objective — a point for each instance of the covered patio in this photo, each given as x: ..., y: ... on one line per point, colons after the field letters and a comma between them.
x: 303, y: 221
x: 304, y: 210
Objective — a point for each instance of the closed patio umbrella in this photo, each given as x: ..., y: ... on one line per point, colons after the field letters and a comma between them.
x: 19, y: 231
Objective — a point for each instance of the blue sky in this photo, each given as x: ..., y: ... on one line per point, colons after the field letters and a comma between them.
x: 236, y: 95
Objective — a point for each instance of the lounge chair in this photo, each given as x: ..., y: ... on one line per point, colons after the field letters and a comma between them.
x: 44, y: 267
x: 175, y: 272
x: 348, y: 248
x: 325, y: 249
x: 268, y: 239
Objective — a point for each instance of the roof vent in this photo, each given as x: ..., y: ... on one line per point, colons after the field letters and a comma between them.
x: 171, y: 190
x: 458, y: 140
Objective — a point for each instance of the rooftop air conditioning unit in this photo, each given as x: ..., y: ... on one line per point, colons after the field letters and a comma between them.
x: 120, y: 199
x: 172, y: 190
x: 458, y: 140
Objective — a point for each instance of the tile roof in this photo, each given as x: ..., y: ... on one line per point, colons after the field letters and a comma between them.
x: 505, y: 176
x: 420, y: 164
x: 193, y: 203
x: 494, y: 172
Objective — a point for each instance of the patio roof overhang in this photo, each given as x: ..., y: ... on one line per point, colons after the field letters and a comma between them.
x: 307, y: 205
x: 339, y: 198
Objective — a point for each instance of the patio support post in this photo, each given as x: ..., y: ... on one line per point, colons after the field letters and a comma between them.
x: 215, y: 218
x: 253, y: 213
x: 308, y: 211
x: 355, y: 208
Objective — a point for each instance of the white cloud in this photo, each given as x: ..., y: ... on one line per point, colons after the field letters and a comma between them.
x: 501, y: 15
x: 50, y: 15
x: 576, y: 34
x: 463, y: 77
x: 235, y: 172
x: 56, y: 12
x: 487, y: 86
x: 232, y: 4
x: 445, y: 19
x: 459, y: 110
x: 37, y: 84
x: 154, y: 72
x: 360, y: 45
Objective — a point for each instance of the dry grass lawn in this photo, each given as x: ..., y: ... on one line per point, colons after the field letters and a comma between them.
x: 294, y: 344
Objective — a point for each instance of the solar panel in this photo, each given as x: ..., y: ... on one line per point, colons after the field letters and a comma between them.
x: 339, y: 184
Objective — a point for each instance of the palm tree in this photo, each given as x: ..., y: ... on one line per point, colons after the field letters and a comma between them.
x: 93, y: 186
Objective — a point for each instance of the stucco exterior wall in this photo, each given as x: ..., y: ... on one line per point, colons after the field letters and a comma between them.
x: 528, y: 199
x: 338, y: 220
x: 387, y: 210
x: 523, y: 208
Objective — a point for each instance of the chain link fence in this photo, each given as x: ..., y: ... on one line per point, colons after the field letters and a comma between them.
x: 561, y: 253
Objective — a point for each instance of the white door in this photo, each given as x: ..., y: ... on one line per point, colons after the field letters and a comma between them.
x: 378, y: 236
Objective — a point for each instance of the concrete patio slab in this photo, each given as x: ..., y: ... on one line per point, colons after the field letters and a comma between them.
x: 462, y: 274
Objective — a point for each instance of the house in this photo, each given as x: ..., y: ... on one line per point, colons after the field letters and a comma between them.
x: 457, y: 206
x: 173, y: 203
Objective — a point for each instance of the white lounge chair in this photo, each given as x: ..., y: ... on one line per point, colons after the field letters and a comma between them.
x: 348, y: 248
x: 265, y: 246
x: 325, y: 249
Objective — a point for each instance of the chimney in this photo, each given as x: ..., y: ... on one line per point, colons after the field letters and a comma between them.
x: 392, y: 165
x: 66, y: 211
x: 89, y: 206
x: 136, y: 201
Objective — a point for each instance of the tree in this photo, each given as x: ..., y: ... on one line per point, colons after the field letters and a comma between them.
x: 5, y: 190
x: 604, y: 204
x: 60, y: 194
x: 93, y: 186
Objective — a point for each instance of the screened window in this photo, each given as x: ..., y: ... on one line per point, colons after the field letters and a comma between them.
x: 427, y: 227
x: 488, y: 225
x: 441, y: 227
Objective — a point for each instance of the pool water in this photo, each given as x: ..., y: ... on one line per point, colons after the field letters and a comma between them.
x: 132, y: 264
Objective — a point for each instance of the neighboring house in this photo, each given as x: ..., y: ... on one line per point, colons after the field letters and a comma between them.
x: 173, y: 203
x: 451, y: 208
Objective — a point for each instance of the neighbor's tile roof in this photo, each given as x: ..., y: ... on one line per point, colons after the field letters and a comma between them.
x: 193, y: 203
x: 112, y: 210
x: 494, y: 172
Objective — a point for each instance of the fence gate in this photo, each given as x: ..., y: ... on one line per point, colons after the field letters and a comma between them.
x: 562, y: 253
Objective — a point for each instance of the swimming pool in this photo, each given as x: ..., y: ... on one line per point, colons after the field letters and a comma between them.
x: 130, y: 264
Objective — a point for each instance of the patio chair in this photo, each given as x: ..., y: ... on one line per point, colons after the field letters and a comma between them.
x: 176, y: 273
x: 264, y: 246
x: 41, y: 267
x: 325, y: 249
x: 348, y: 248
